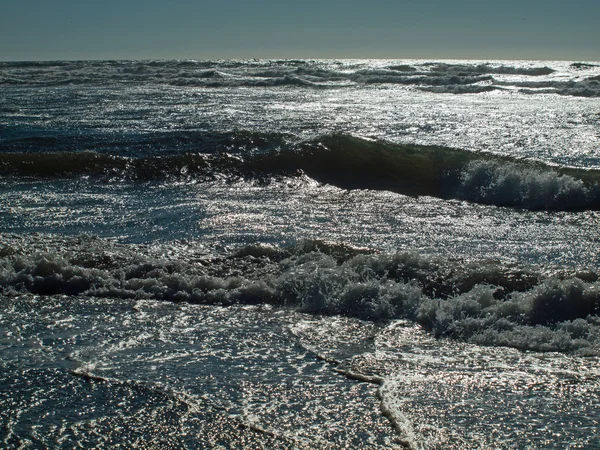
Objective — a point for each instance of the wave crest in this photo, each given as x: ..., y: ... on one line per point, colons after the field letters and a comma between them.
x: 510, y: 184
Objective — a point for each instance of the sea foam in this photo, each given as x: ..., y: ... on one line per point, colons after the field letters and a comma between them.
x: 483, y: 302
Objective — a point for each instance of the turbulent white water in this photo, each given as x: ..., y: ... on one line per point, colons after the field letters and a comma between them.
x: 300, y: 254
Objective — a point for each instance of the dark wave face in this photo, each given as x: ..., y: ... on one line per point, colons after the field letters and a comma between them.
x: 340, y: 160
x: 430, y: 76
x: 144, y: 144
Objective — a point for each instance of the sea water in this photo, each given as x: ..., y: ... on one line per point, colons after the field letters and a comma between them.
x: 300, y: 254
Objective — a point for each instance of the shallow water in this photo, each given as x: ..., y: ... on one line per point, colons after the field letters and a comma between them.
x: 96, y: 373
x: 101, y: 372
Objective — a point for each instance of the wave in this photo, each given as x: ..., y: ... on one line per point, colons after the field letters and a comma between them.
x: 392, y: 77
x: 485, y: 302
x: 582, y: 66
x: 588, y: 87
x: 287, y: 73
x: 460, y: 89
x: 469, y: 69
x: 143, y: 144
x: 403, y: 68
x: 340, y: 160
x: 286, y: 80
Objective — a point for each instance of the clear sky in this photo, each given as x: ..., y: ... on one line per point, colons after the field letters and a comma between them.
x: 202, y: 29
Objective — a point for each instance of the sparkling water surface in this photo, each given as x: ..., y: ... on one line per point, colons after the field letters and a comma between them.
x: 275, y: 310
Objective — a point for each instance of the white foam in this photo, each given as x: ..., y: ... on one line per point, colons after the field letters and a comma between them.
x: 484, y: 303
x: 510, y: 184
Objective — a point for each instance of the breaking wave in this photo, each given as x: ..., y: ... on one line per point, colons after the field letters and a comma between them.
x: 341, y: 160
x: 484, y: 302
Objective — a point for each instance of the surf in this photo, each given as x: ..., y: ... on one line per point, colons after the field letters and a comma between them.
x: 341, y: 160
x: 483, y: 302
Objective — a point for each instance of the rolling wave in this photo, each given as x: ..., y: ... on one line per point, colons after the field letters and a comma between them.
x: 583, y: 66
x: 485, y: 302
x: 145, y: 144
x: 491, y: 69
x: 588, y: 87
x: 344, y: 161
x: 437, y: 77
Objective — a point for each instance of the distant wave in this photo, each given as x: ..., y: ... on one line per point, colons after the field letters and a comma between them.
x: 341, y: 160
x: 461, y: 89
x: 392, y: 77
x: 581, y: 66
x: 485, y: 302
x: 285, y: 80
x: 588, y: 87
x: 469, y: 69
x: 436, y: 77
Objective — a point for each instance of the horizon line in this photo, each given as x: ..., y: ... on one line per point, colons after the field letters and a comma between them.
x: 49, y: 60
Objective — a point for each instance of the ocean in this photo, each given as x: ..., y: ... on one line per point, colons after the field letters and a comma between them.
x: 300, y: 254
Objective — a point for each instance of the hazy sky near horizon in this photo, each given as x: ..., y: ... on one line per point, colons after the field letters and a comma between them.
x: 136, y: 29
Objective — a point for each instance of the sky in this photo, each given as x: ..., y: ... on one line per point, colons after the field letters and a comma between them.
x: 222, y: 29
